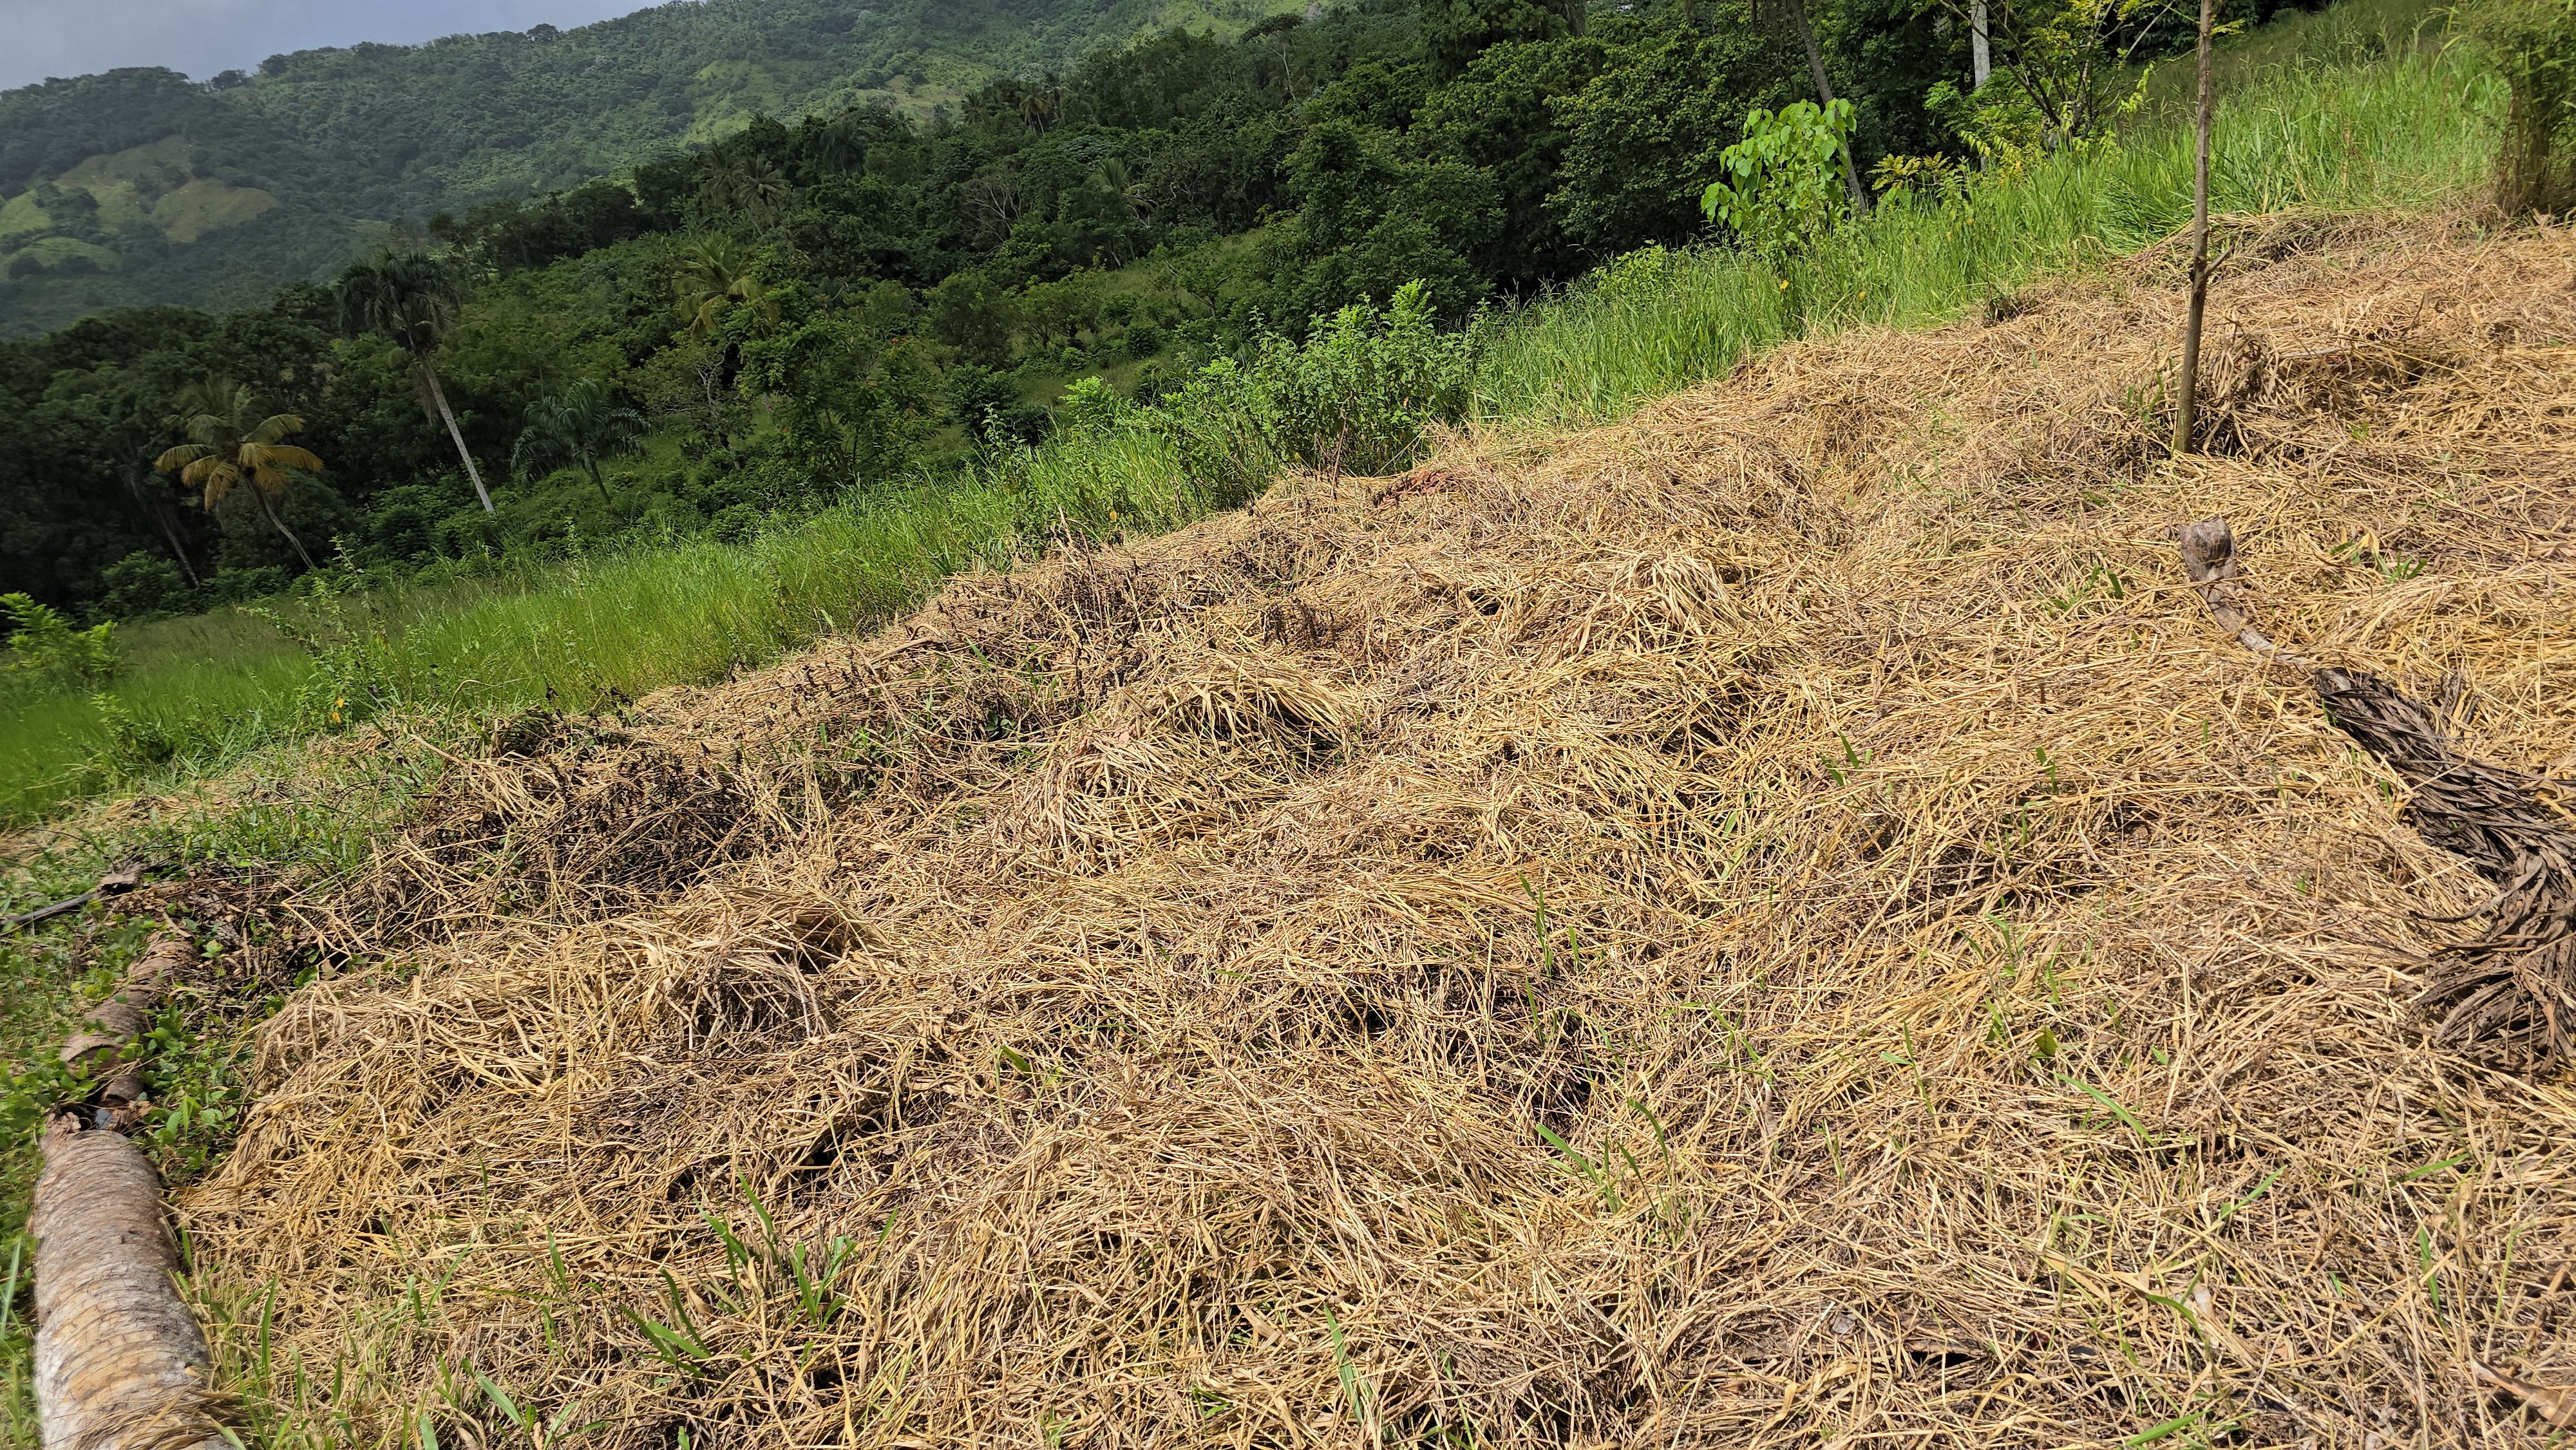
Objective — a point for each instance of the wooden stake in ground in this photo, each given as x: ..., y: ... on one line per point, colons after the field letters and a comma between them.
x: 2190, y: 387
x: 120, y: 1362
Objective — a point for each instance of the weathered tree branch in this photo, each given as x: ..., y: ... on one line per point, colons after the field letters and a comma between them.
x: 2508, y: 993
x: 123, y: 878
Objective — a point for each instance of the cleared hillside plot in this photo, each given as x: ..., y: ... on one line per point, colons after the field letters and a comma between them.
x: 1780, y: 922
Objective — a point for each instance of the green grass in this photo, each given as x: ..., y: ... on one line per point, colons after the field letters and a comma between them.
x: 577, y: 634
x: 2410, y: 126
x: 2414, y: 131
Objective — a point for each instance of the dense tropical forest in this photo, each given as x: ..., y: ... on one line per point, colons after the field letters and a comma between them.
x: 801, y: 309
x: 141, y: 186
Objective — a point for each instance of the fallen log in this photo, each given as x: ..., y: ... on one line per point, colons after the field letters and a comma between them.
x: 120, y: 1362
x: 2508, y: 994
x: 98, y: 1049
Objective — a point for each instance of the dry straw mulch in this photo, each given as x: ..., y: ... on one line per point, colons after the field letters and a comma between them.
x: 1778, y: 923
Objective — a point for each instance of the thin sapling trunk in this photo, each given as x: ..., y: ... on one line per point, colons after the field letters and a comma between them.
x: 1825, y: 97
x: 2184, y: 419
x: 158, y: 510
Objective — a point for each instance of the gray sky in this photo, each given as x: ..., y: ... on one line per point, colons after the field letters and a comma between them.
x: 201, y: 37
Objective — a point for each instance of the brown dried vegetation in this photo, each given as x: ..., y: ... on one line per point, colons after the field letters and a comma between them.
x: 1780, y: 922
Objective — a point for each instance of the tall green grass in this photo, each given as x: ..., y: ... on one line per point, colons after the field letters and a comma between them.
x: 575, y: 634
x: 2414, y: 126
x: 2411, y: 131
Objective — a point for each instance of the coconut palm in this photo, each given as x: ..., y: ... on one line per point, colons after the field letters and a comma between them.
x: 1038, y: 108
x: 755, y: 190
x: 843, y: 146
x: 230, y: 444
x: 577, y: 427
x: 1120, y: 183
x: 714, y: 274
x: 411, y: 299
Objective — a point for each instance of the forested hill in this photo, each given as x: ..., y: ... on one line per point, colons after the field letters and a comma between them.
x: 796, y: 313
x: 142, y: 186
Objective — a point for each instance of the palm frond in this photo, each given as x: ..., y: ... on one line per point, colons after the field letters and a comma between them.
x: 180, y: 457
x: 274, y: 427
x: 265, y: 456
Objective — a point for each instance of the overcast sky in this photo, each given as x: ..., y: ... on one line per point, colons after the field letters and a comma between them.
x: 201, y: 37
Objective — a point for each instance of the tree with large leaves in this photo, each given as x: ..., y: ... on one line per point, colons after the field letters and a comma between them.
x: 229, y: 444
x: 413, y: 300
x: 577, y: 427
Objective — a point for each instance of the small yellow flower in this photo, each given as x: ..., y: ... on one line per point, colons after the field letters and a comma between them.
x: 1784, y: 284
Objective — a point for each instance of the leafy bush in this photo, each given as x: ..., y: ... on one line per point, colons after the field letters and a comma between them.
x: 144, y: 584
x: 1357, y: 396
x: 359, y: 667
x: 1783, y: 191
x: 1088, y: 408
x: 45, y: 652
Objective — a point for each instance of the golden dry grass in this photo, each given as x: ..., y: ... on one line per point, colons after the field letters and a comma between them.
x: 1777, y: 923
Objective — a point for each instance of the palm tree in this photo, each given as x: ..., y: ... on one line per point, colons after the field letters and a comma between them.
x: 765, y: 190
x: 579, y: 426
x: 843, y: 146
x: 230, y: 444
x: 1114, y: 176
x: 755, y: 190
x: 413, y: 300
x: 715, y: 273
x: 1038, y: 108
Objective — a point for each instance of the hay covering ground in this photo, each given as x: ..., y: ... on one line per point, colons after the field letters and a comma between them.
x: 1777, y: 923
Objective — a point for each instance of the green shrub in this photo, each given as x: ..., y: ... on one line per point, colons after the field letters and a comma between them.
x: 1783, y: 189
x: 359, y: 668
x: 143, y: 584
x: 45, y: 652
x: 1358, y: 396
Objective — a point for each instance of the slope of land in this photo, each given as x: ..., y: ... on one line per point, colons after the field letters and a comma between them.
x: 135, y: 186
x: 1777, y: 922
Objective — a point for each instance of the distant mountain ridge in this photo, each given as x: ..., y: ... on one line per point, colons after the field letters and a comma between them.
x: 142, y: 186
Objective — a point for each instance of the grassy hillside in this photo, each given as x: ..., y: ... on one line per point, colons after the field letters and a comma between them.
x: 1575, y: 789
x: 2386, y: 133
x: 139, y: 186
x: 1779, y: 924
